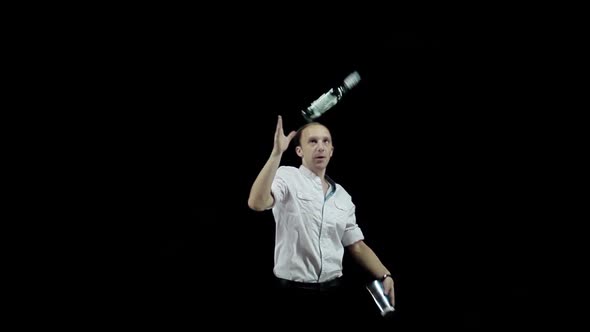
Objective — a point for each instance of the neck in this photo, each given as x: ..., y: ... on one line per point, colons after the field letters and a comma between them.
x: 319, y: 172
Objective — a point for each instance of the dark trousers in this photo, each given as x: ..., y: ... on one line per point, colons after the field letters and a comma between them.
x: 305, y: 305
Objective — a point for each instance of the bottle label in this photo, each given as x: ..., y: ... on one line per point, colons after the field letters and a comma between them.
x: 322, y: 104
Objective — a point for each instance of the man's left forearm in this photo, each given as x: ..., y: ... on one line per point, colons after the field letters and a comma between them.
x: 367, y: 258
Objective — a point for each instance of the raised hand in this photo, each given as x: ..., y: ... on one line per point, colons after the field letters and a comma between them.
x: 281, y: 142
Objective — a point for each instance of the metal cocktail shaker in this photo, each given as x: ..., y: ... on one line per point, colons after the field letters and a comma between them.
x: 385, y: 306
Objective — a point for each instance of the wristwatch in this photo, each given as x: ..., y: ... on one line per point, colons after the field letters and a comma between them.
x: 385, y: 276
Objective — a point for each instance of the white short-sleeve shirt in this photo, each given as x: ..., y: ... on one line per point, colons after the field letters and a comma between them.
x: 312, y: 229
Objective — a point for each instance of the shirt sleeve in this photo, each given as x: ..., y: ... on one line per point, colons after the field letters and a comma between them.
x: 352, y: 232
x: 279, y: 186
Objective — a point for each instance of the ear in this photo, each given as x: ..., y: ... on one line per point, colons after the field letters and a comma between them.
x: 299, y: 151
x: 332, y: 151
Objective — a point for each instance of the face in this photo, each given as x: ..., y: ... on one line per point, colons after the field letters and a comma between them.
x: 316, y: 147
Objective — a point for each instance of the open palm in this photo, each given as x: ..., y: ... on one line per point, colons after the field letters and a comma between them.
x: 281, y: 142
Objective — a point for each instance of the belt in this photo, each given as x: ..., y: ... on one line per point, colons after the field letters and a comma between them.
x: 318, y: 286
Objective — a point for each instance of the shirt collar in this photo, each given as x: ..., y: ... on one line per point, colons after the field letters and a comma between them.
x: 311, y: 175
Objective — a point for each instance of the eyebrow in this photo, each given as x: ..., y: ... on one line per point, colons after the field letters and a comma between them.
x: 316, y: 137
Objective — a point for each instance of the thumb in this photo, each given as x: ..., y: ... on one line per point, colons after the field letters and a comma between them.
x: 291, y: 135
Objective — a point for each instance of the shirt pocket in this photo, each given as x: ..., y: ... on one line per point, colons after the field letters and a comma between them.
x: 340, y: 217
x: 305, y: 203
x: 343, y: 207
x: 302, y: 195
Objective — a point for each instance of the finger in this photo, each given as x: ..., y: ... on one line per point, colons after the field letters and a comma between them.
x: 387, y: 291
x: 280, y: 124
x: 392, y: 297
x: 279, y: 129
x: 291, y: 135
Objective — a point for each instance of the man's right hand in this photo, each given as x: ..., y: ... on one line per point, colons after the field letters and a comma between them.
x: 281, y: 143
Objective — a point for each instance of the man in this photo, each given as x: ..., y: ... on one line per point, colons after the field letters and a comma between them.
x: 315, y: 221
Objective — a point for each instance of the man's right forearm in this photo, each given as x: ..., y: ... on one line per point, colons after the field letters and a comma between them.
x: 260, y: 194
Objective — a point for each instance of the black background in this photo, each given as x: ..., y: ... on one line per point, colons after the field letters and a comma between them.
x: 439, y: 147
